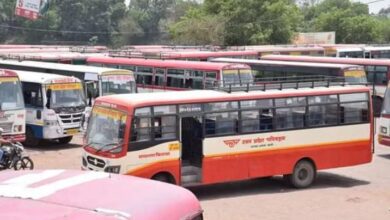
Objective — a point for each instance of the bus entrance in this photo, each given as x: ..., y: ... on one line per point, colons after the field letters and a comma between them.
x: 192, y: 153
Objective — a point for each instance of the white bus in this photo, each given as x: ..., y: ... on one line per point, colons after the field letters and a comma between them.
x: 55, y: 106
x: 12, y: 111
x: 98, y: 81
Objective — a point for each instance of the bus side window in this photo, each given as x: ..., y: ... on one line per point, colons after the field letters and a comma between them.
x: 141, y: 129
x: 164, y: 127
x: 32, y: 94
x: 354, y: 108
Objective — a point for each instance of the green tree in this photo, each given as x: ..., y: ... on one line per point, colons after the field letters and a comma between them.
x: 199, y: 28
x: 245, y: 21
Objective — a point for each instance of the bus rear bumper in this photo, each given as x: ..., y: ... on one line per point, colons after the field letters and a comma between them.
x: 384, y: 140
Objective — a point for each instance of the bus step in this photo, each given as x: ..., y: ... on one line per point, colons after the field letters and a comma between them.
x: 189, y: 180
x: 189, y: 170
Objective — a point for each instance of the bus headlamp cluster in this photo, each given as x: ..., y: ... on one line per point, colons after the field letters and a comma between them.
x: 18, y: 128
x: 51, y: 123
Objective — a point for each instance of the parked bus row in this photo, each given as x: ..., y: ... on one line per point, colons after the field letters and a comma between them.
x: 56, y: 105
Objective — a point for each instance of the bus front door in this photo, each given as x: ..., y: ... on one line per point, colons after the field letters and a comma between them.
x: 192, y: 153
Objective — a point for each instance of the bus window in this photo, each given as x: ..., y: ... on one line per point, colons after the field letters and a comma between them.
x: 126, y: 67
x: 286, y: 116
x: 142, y: 125
x: 164, y: 127
x: 379, y: 72
x: 164, y: 123
x: 195, y: 80
x: 250, y: 121
x: 144, y: 75
x: 322, y: 110
x: 32, y: 94
x: 221, y: 123
x: 354, y: 108
x: 159, y: 77
x: 175, y: 78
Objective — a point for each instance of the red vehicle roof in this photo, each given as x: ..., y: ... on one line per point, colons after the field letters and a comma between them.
x: 178, y: 64
x: 60, y: 194
x: 355, y: 61
x: 8, y: 73
x: 207, y: 54
x: 131, y: 101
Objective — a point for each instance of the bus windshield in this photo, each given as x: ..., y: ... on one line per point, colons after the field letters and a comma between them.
x: 386, y: 102
x: 11, y: 96
x: 117, y: 84
x: 106, y: 129
x: 69, y: 94
x: 355, y: 76
x: 237, y: 76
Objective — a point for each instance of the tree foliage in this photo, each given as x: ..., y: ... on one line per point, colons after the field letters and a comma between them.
x: 221, y: 22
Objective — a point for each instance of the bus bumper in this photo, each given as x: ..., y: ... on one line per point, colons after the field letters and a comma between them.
x: 384, y: 140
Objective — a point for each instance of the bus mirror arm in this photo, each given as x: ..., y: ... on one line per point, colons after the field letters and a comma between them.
x: 48, y: 97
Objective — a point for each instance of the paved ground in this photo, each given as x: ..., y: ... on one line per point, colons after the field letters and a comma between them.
x: 361, y: 192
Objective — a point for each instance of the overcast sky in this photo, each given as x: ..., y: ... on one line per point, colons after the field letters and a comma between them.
x: 375, y: 5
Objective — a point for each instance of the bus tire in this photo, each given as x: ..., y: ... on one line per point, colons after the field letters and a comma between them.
x: 163, y: 177
x: 31, y: 140
x: 303, y: 175
x: 65, y: 140
x: 377, y: 105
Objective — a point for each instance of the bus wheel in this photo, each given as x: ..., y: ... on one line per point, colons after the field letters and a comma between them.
x: 162, y: 177
x: 31, y: 140
x: 303, y: 175
x: 377, y: 106
x: 65, y: 140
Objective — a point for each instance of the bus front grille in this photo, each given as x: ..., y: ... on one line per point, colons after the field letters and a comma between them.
x: 7, y: 127
x: 71, y: 118
x: 96, y: 161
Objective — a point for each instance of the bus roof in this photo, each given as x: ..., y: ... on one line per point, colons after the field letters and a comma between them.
x: 44, y: 78
x: 166, y: 63
x: 339, y: 60
x: 60, y: 66
x: 8, y: 73
x: 206, y: 54
x: 71, y: 194
x: 375, y: 48
x: 198, y: 96
x: 283, y: 63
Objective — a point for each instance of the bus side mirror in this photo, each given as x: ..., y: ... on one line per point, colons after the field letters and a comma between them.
x: 39, y: 114
x: 48, y: 97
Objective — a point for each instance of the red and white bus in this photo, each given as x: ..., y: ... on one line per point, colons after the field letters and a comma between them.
x: 68, y: 194
x: 377, y: 70
x: 206, y: 136
x: 161, y: 75
x: 12, y: 109
x: 270, y: 69
x: 384, y: 120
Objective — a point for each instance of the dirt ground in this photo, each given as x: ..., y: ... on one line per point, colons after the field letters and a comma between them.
x: 361, y: 192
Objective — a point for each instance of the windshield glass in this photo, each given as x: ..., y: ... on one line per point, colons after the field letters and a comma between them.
x: 106, y: 128
x: 386, y: 102
x: 355, y: 76
x: 237, y: 76
x: 11, y: 96
x: 67, y: 95
x: 118, y: 84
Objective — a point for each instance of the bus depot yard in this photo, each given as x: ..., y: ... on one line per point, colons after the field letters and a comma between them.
x: 227, y: 129
x: 360, y: 192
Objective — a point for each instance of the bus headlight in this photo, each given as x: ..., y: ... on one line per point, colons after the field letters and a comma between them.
x: 18, y: 128
x: 51, y: 123
x: 383, y: 130
x: 112, y: 169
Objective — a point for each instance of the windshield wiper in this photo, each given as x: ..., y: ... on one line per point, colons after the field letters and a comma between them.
x: 105, y: 145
